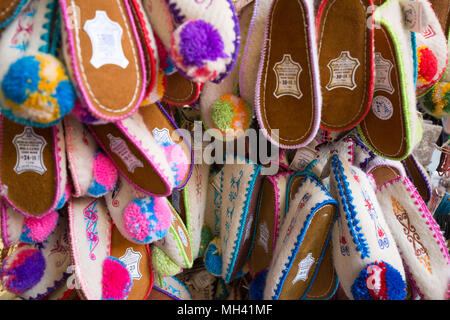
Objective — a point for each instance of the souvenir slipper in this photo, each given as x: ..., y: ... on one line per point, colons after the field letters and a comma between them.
x: 96, y: 275
x: 394, y: 103
x: 171, y: 288
x: 180, y: 91
x: 35, y: 88
x: 141, y: 219
x: 418, y: 236
x: 442, y: 11
x: 419, y: 177
x: 362, y: 154
x: 168, y: 136
x: 253, y: 46
x: 9, y: 11
x: 11, y: 224
x: 220, y: 105
x: 288, y: 94
x: 93, y: 173
x: 240, y: 184
x: 365, y: 254
x: 304, y: 237
x: 163, y: 265
x: 346, y: 63
x: 91, y: 56
x: 33, y: 167
x: 136, y: 154
x: 343, y: 147
x: 326, y: 281
x: 56, y: 253
x: 147, y: 39
x: 432, y: 51
x: 213, y: 202
x: 205, y: 44
x: 270, y: 209
x: 177, y: 243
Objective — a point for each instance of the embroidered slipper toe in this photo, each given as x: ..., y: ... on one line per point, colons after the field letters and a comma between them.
x: 170, y: 288
x: 365, y: 254
x: 33, y: 179
x: 304, y: 237
x: 35, y: 88
x: 346, y: 62
x: 394, y: 101
x: 288, y: 96
x: 205, y: 44
x: 102, y: 39
x: 418, y: 236
x: 418, y: 175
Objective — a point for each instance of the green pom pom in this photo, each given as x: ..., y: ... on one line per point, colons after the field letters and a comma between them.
x: 206, y: 237
x: 163, y: 264
x: 222, y: 114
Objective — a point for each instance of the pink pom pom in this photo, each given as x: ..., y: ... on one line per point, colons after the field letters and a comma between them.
x: 38, y: 229
x: 163, y: 213
x: 105, y: 173
x: 116, y: 281
x: 178, y: 162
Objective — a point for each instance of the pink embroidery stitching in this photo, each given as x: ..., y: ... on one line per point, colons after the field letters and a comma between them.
x: 91, y: 217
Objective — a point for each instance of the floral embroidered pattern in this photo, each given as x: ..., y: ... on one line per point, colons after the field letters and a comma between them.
x: 383, y: 241
x: 22, y: 34
x: 91, y: 218
x: 62, y: 248
x: 411, y: 234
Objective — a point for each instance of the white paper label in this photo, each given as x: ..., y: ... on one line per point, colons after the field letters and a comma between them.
x: 383, y: 68
x: 414, y: 14
x: 131, y: 259
x: 162, y: 136
x: 382, y: 107
x: 106, y: 40
x: 303, y: 268
x: 342, y: 72
x: 119, y: 147
x: 29, y: 148
x: 287, y: 73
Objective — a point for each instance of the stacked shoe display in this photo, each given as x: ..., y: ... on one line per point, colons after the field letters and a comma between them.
x: 107, y: 194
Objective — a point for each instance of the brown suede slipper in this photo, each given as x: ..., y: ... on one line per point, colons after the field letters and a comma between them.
x: 346, y: 62
x: 442, y: 10
x: 180, y: 91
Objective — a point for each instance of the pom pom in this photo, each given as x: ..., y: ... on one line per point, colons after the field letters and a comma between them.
x: 205, y: 238
x: 37, y: 230
x: 37, y: 90
x: 437, y: 101
x: 427, y: 63
x: 177, y: 160
x: 231, y: 115
x: 197, y: 49
x: 213, y: 258
x: 116, y: 280
x: 162, y: 263
x: 379, y: 281
x: 148, y: 219
x: 105, y: 176
x: 65, y: 196
x: 258, y: 285
x: 23, y: 269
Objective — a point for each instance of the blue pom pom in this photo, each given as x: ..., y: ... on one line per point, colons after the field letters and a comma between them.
x: 379, y: 281
x: 258, y: 285
x: 21, y: 79
x: 61, y: 202
x: 65, y: 95
x: 213, y: 259
x: 97, y: 190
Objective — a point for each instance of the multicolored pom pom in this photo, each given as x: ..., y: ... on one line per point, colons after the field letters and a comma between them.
x: 231, y: 115
x: 23, y: 269
x: 147, y: 219
x: 178, y: 161
x: 116, y: 281
x: 37, y: 91
x: 162, y: 263
x: 105, y: 175
x: 427, y: 65
x: 197, y: 50
x: 379, y: 281
x: 437, y: 101
x: 213, y: 258
x: 36, y: 230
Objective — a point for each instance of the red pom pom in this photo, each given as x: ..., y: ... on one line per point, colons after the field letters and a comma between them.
x: 428, y: 64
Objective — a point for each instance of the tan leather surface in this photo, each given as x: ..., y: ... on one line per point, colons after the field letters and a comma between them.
x: 343, y: 27
x: 294, y: 185
x: 260, y: 259
x: 114, y: 90
x: 383, y: 174
x: 326, y: 280
x: 153, y: 118
x: 293, y: 116
x: 313, y: 242
x: 442, y: 10
x: 417, y: 178
x: 145, y: 177
x: 157, y: 295
x: 7, y: 8
x: 388, y: 137
x: 119, y: 246
x: 29, y: 191
x: 179, y: 90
